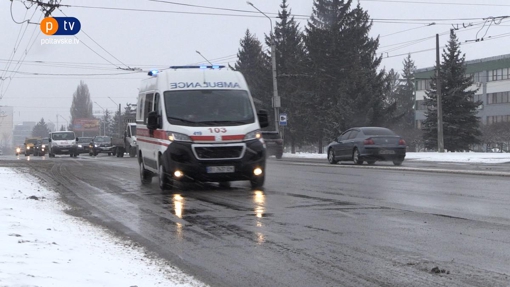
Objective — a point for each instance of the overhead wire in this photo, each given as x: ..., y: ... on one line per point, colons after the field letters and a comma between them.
x: 438, y: 3
x: 19, y: 63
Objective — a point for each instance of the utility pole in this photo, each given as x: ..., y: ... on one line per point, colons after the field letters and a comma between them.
x: 440, y: 140
x: 47, y: 8
x: 198, y: 52
x: 276, y: 98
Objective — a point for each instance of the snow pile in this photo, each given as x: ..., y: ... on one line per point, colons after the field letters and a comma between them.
x: 474, y: 157
x: 43, y: 246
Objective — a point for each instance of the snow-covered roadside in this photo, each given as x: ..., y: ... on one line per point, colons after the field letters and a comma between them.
x: 474, y: 157
x: 41, y: 245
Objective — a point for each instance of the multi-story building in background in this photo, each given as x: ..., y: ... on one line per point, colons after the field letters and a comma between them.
x: 491, y: 80
x: 6, y: 124
x: 22, y: 131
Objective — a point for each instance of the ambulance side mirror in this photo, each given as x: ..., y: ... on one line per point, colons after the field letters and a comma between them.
x: 152, y: 121
x: 263, y: 119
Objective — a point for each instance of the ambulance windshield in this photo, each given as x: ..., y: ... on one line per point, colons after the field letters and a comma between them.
x: 209, y: 108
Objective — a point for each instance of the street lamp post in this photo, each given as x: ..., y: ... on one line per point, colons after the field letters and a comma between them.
x: 104, y: 123
x: 276, y: 98
x: 120, y: 117
x: 64, y: 120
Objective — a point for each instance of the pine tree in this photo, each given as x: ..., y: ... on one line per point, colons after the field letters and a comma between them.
x: 40, y: 129
x: 347, y: 86
x: 81, y: 107
x: 405, y: 99
x: 253, y: 63
x: 460, y: 123
x: 402, y: 95
x: 290, y: 55
x: 106, y: 124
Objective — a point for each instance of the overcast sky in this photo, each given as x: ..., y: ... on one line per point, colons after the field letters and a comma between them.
x: 159, y: 39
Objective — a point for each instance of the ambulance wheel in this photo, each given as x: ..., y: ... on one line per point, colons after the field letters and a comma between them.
x: 165, y: 181
x: 257, y: 181
x: 145, y: 175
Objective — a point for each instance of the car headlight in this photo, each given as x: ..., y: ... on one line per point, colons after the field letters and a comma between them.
x: 95, y: 145
x: 80, y: 146
x: 254, y: 135
x: 43, y: 146
x: 28, y: 147
x: 177, y: 137
x: 18, y: 150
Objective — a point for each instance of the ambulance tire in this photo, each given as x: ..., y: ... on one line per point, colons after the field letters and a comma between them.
x: 145, y: 175
x: 165, y: 181
x: 258, y: 181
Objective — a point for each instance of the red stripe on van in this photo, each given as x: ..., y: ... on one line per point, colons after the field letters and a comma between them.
x: 153, y: 142
x: 157, y: 134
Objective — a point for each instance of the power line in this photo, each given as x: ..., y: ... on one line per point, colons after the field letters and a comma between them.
x: 128, y: 68
x: 299, y: 17
x: 438, y: 3
x: 63, y: 75
x: 20, y: 61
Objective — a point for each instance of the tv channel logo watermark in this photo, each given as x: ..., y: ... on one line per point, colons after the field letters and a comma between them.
x: 60, y: 26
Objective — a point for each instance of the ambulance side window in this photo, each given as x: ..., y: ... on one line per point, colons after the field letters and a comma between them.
x: 157, y: 104
x: 147, y: 108
x: 139, y: 112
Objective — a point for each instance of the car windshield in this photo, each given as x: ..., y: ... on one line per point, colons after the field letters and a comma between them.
x: 133, y: 130
x: 84, y: 140
x: 209, y: 108
x: 45, y: 141
x: 102, y: 139
x: 31, y: 141
x: 63, y: 136
x: 378, y: 132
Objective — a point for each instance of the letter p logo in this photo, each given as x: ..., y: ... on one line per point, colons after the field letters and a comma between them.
x: 49, y: 26
x: 60, y: 26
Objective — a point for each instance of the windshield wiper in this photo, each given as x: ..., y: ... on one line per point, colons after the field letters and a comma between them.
x: 182, y: 120
x: 222, y: 122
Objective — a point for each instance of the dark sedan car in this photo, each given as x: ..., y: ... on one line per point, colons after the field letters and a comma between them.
x: 83, y: 145
x: 274, y: 143
x: 368, y: 144
x: 101, y: 144
x: 41, y: 147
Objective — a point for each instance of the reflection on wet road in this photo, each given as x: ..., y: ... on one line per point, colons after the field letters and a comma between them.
x: 309, y: 226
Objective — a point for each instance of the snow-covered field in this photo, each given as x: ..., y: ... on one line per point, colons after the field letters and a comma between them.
x: 41, y: 245
x: 475, y: 157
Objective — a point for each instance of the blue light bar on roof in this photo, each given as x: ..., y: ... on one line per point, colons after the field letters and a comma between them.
x: 153, y: 73
x: 214, y: 67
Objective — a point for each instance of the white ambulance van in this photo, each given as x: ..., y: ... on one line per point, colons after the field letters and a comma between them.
x: 199, y: 124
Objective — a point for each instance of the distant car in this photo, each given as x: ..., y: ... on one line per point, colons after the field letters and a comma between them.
x: 41, y: 147
x: 274, y: 143
x: 368, y: 144
x: 18, y: 150
x: 101, y: 144
x: 83, y: 145
x: 30, y: 145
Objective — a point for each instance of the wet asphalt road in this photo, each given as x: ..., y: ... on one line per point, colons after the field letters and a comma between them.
x: 314, y: 224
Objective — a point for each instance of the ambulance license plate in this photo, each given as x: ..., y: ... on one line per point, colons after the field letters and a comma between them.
x: 220, y: 169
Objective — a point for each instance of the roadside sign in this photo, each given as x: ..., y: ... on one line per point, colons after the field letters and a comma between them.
x: 283, y: 119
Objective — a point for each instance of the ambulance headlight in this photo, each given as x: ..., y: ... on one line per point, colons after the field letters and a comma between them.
x: 254, y: 135
x: 177, y: 137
